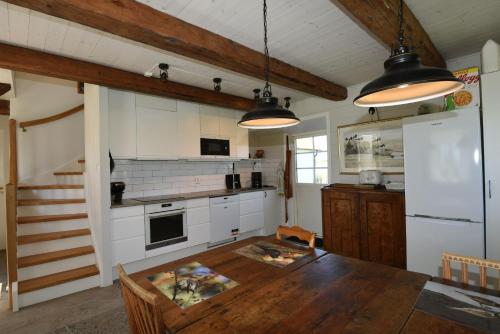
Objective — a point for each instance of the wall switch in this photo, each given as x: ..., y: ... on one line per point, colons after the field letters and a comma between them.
x: 197, y: 180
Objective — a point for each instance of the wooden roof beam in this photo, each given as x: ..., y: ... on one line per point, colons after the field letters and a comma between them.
x: 380, y: 19
x: 37, y: 62
x: 4, y: 88
x: 141, y: 23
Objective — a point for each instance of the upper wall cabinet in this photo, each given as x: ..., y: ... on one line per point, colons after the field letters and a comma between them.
x: 122, y: 124
x: 188, y: 130
x: 156, y: 128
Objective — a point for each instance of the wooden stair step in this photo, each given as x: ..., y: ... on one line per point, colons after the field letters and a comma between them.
x: 56, y: 279
x: 67, y: 173
x: 50, y: 218
x: 50, y: 186
x: 37, y: 201
x: 33, y: 260
x: 81, y: 161
x: 33, y: 238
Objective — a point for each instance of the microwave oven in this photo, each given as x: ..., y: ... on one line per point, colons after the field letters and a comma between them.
x: 211, y: 146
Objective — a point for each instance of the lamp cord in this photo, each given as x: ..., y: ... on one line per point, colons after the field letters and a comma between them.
x: 267, y: 88
x: 401, y: 29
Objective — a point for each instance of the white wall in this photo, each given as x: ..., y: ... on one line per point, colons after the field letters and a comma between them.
x: 48, y: 147
x: 97, y: 175
x: 4, y: 162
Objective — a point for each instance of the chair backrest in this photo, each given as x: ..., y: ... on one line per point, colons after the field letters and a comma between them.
x: 296, y: 231
x: 144, y: 315
x: 465, y: 261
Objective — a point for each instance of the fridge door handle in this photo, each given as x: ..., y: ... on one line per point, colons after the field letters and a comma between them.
x: 465, y: 220
x: 489, y: 188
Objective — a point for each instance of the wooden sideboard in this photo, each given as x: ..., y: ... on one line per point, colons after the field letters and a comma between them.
x: 364, y: 223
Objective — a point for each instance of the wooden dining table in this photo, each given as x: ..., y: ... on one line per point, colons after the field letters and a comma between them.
x: 318, y: 293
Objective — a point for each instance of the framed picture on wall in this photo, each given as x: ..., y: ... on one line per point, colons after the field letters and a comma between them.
x: 372, y: 145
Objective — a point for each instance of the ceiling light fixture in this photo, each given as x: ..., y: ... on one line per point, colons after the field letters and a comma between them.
x: 163, y: 71
x: 268, y: 114
x: 405, y: 80
x: 217, y: 86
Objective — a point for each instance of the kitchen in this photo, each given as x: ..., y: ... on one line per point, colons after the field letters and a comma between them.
x: 176, y: 169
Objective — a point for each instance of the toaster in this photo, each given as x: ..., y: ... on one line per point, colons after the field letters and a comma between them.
x: 371, y: 176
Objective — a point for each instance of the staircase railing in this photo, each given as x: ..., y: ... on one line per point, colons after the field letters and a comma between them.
x: 11, y: 208
x: 26, y: 124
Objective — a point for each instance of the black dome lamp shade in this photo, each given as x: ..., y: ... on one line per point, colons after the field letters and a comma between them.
x: 405, y: 80
x: 268, y: 114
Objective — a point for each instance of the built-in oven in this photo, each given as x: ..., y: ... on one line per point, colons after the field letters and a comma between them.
x: 210, y: 146
x: 165, y: 224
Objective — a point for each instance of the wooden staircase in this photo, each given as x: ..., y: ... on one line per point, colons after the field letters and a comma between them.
x: 55, y: 256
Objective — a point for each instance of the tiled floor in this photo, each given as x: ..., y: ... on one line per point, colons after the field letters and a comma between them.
x: 97, y: 310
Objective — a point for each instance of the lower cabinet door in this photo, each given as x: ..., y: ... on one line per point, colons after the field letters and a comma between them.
x: 251, y: 222
x: 128, y: 250
x: 198, y: 234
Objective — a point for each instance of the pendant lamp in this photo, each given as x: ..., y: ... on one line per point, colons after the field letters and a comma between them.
x: 268, y: 114
x: 405, y: 80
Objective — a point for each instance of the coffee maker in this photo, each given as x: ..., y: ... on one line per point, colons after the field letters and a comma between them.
x: 117, y: 189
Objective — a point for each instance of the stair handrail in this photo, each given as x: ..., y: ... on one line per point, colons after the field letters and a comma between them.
x: 26, y: 124
x: 11, y: 208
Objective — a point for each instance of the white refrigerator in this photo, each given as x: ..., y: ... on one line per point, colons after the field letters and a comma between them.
x: 443, y: 188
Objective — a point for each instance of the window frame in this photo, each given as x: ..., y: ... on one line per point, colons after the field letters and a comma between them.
x: 315, y: 153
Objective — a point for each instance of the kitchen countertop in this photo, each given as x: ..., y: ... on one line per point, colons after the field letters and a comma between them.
x: 186, y: 196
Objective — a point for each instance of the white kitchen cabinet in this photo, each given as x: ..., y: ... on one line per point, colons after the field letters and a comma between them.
x: 209, y: 121
x: 227, y: 125
x: 128, y: 241
x: 251, y: 211
x: 122, y: 124
x: 128, y: 250
x: 241, y: 143
x: 273, y: 211
x: 198, y: 234
x: 188, y: 129
x: 490, y: 84
x: 157, y: 133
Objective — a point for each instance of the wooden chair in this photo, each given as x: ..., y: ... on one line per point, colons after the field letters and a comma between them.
x: 465, y: 261
x: 296, y: 231
x: 143, y: 311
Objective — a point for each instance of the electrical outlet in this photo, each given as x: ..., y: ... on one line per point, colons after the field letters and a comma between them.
x: 197, y: 180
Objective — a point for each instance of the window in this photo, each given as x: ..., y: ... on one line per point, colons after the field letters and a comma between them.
x: 311, y: 159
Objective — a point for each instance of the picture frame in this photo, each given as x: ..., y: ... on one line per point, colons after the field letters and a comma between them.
x: 371, y: 145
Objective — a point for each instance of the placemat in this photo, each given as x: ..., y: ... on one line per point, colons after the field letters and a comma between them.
x: 190, y: 284
x: 276, y: 255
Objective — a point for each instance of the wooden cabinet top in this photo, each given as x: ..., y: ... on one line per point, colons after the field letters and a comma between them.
x: 359, y: 188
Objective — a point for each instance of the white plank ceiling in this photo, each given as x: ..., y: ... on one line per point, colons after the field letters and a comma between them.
x: 312, y: 35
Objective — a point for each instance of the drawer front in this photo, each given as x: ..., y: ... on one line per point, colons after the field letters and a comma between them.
x: 197, y: 203
x: 198, y: 234
x: 251, y: 195
x: 129, y: 227
x: 197, y: 216
x: 127, y: 212
x: 128, y: 250
x: 251, y: 206
x: 251, y: 222
x: 224, y: 199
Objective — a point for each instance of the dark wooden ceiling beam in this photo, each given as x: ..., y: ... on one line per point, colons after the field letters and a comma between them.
x: 4, y: 88
x: 5, y: 107
x: 380, y: 19
x: 37, y: 62
x: 141, y: 23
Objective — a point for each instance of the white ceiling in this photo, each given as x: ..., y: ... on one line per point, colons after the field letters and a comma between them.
x: 313, y: 35
x: 458, y: 27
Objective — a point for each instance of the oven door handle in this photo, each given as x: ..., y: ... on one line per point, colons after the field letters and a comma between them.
x: 166, y: 213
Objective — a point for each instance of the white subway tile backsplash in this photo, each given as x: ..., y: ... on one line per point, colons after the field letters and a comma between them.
x: 151, y: 178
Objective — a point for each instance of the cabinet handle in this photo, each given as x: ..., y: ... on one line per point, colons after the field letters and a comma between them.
x: 225, y: 207
x: 225, y: 197
x: 265, y: 194
x: 489, y: 188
